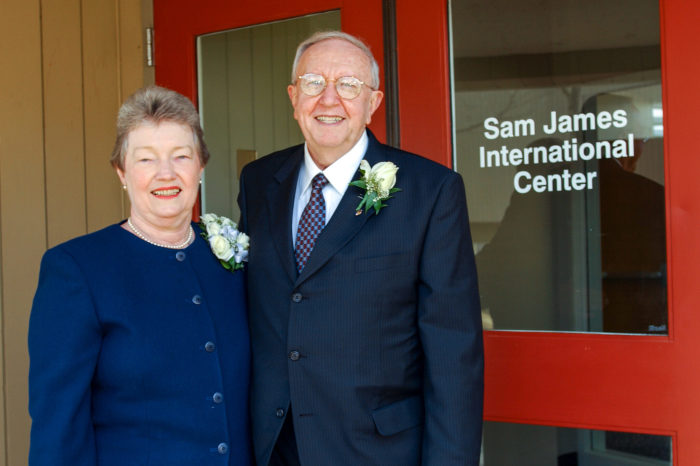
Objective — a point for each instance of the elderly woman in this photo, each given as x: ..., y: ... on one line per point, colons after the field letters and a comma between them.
x: 138, y: 336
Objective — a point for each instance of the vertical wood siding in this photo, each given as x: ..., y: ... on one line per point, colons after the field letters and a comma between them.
x: 67, y: 65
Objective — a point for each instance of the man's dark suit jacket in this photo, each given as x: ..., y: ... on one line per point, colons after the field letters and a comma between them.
x: 377, y: 344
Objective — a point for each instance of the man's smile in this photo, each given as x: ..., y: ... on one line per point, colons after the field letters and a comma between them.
x: 329, y: 119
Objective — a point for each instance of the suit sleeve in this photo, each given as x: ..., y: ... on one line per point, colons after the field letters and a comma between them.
x: 243, y: 220
x: 64, y: 343
x: 449, y: 321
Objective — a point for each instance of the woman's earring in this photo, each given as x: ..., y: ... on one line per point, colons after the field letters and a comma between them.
x: 124, y: 187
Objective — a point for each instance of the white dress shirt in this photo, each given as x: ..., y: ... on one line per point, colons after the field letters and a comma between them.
x: 339, y: 175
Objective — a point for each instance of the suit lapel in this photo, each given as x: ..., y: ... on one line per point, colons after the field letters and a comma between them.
x: 280, y: 202
x: 344, y: 224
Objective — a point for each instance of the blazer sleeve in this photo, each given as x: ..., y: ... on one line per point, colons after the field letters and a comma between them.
x: 64, y: 343
x: 243, y: 220
x: 449, y: 322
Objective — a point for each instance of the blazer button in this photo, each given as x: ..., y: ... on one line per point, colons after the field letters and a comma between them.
x: 180, y: 256
x: 294, y: 355
x: 218, y: 397
x: 279, y: 412
x: 222, y: 448
x: 296, y: 297
x: 197, y: 299
x: 209, y: 346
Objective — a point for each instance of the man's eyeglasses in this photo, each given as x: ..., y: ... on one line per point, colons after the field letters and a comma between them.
x: 348, y: 87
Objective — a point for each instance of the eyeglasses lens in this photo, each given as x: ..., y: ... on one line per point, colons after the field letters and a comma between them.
x: 312, y: 85
x: 347, y: 87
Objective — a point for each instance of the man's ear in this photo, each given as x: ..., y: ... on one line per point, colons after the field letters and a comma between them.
x: 374, y: 101
x: 292, y: 92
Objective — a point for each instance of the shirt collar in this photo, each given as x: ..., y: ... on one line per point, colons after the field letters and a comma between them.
x: 340, y: 172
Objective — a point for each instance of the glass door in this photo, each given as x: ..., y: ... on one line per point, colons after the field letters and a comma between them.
x: 584, y: 255
x: 243, y: 75
x: 580, y: 386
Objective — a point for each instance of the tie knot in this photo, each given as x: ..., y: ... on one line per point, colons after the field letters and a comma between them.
x: 318, y: 182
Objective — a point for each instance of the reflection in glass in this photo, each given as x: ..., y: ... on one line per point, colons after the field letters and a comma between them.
x: 559, y: 137
x: 508, y: 444
x: 243, y: 76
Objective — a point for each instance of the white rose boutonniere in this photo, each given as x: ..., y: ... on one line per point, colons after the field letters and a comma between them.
x: 378, y: 182
x: 228, y: 244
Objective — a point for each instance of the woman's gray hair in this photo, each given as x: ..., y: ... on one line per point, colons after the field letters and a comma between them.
x: 327, y: 35
x: 155, y: 104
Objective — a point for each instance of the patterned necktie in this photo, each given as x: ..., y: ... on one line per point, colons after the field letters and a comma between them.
x: 312, y: 221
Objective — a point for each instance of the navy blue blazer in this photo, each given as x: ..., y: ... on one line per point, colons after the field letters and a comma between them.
x: 139, y: 355
x: 377, y: 344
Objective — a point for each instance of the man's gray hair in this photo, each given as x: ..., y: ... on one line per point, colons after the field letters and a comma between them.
x: 327, y: 35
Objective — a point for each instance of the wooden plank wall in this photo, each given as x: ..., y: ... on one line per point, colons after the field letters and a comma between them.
x: 67, y: 65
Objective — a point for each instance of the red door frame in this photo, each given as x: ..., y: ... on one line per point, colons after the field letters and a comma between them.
x: 177, y: 23
x: 610, y: 382
x: 645, y: 384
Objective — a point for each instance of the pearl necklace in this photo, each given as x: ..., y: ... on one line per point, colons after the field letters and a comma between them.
x: 169, y: 246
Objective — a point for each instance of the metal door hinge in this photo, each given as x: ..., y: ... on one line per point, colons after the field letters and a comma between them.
x: 149, y: 46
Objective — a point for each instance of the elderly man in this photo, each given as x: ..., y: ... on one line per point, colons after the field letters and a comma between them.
x: 364, y: 309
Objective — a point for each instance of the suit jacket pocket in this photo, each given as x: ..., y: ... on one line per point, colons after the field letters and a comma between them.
x: 389, y: 261
x: 399, y: 416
